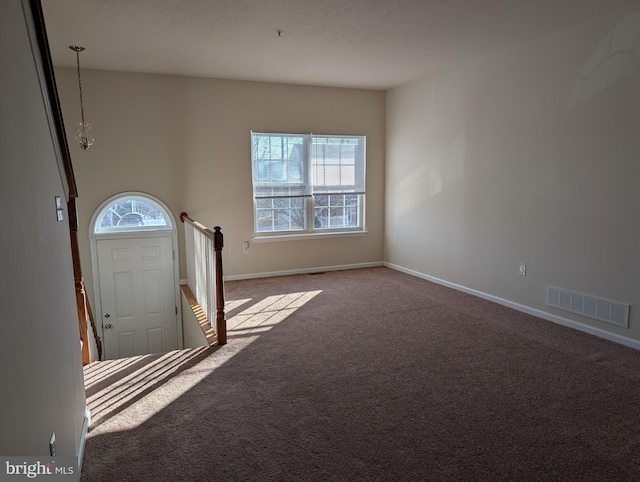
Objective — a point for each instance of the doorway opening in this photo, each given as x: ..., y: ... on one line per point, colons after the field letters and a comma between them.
x: 134, y: 247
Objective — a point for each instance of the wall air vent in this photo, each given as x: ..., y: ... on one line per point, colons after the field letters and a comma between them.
x: 601, y: 309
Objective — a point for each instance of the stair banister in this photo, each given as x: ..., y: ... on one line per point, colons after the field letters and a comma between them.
x: 217, y: 240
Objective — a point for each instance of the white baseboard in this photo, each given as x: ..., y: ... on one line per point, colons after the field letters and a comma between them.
x: 270, y: 274
x: 607, y: 335
x: 83, y: 438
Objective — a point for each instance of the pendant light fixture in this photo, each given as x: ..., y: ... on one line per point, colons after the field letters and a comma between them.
x: 84, y: 137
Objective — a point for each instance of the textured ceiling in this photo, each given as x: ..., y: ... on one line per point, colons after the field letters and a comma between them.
x: 374, y: 44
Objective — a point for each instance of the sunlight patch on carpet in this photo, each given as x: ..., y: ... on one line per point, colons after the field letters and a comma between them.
x: 231, y: 305
x: 127, y: 387
x: 268, y: 312
x: 133, y: 398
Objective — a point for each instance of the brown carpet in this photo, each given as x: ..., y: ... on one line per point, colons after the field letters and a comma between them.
x: 372, y: 374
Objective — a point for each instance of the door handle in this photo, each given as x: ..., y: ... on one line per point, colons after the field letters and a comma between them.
x: 107, y: 315
x: 107, y: 326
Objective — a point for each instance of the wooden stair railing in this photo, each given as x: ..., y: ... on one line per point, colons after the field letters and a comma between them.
x: 85, y: 315
x: 218, y: 242
x: 93, y: 323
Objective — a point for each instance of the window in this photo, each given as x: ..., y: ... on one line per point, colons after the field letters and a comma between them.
x: 132, y: 213
x: 305, y: 183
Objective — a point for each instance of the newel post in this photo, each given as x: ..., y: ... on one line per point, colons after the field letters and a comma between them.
x: 221, y: 323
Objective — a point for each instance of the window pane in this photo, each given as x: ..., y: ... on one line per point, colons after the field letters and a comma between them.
x: 281, y: 220
x: 336, y: 217
x: 351, y: 200
x: 288, y: 219
x: 337, y: 164
x: 352, y: 218
x: 131, y: 219
x: 297, y: 219
x: 349, y: 152
x: 265, y: 220
x: 321, y: 217
x: 264, y: 203
x: 332, y: 175
x: 278, y: 164
x: 343, y: 212
x: 131, y: 213
x: 275, y: 148
x: 281, y: 203
x: 281, y: 214
x: 347, y: 175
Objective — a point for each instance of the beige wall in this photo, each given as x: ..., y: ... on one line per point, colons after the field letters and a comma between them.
x: 187, y: 141
x: 529, y: 155
x: 40, y: 363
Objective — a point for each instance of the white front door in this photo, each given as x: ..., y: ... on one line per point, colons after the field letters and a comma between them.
x: 137, y: 294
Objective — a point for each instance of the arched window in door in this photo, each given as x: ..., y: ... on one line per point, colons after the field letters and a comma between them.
x: 132, y: 212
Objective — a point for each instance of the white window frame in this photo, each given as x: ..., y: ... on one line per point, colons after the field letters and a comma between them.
x: 308, y: 194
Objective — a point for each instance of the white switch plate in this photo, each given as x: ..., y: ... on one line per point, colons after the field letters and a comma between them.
x: 522, y: 270
x: 59, y: 209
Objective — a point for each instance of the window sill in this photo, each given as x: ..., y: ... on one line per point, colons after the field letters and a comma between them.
x: 300, y: 237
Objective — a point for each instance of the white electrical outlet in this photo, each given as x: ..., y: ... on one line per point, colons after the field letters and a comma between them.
x: 245, y: 247
x: 522, y: 269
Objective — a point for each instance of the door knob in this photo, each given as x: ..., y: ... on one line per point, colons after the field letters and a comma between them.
x: 107, y: 326
x: 107, y: 315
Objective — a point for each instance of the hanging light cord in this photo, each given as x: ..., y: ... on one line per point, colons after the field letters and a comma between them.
x: 80, y: 89
x: 85, y: 142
